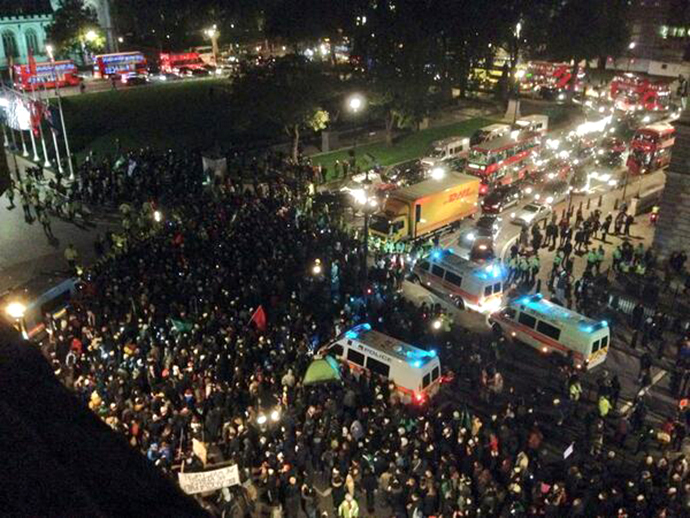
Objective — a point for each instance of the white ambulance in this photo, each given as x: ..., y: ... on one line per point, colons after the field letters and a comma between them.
x: 549, y: 328
x: 415, y: 372
x: 446, y: 149
x: 464, y: 283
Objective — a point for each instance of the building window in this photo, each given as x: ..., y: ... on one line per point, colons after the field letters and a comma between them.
x: 32, y: 42
x: 10, y: 44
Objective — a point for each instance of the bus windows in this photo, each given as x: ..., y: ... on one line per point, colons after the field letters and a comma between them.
x: 527, y: 320
x: 378, y: 367
x: 435, y: 374
x: 497, y: 287
x: 548, y: 330
x: 453, y: 278
x: 487, y: 290
x: 355, y: 357
x: 336, y: 349
x: 426, y: 380
x: 604, y: 342
x: 437, y: 271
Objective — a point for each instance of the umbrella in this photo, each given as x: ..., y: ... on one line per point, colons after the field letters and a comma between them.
x: 322, y: 370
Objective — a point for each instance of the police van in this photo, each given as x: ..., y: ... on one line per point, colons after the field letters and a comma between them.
x: 446, y: 149
x: 549, y: 327
x: 464, y: 283
x: 415, y: 372
x: 40, y: 299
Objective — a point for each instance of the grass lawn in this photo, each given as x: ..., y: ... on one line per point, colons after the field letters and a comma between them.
x: 408, y: 147
x: 178, y: 114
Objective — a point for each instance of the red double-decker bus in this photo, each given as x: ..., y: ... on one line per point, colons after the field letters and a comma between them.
x: 50, y: 74
x: 120, y: 64
x: 504, y: 160
x: 175, y: 63
x: 650, y: 148
x: 633, y: 92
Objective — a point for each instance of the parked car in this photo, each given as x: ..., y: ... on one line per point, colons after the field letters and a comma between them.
x: 530, y: 214
x: 502, y: 198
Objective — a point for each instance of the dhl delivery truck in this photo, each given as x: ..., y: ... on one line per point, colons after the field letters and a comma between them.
x: 426, y: 207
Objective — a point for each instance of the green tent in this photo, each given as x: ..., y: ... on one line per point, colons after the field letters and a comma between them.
x: 322, y: 370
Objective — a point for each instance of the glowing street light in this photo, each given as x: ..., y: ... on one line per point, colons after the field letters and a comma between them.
x: 91, y: 35
x: 261, y: 419
x: 355, y: 103
x: 212, y: 33
x: 438, y: 173
x: 632, y: 45
x: 50, y: 50
x: 16, y: 310
x: 157, y: 216
x: 317, y: 268
x: 436, y: 324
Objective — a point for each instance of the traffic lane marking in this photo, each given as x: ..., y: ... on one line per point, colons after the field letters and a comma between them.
x: 655, y: 379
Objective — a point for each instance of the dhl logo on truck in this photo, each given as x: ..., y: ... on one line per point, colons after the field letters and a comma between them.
x: 455, y: 196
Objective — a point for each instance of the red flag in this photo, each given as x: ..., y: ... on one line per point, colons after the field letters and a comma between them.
x: 259, y: 318
x: 37, y: 110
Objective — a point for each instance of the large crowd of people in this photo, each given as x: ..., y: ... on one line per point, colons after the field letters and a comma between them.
x: 162, y: 343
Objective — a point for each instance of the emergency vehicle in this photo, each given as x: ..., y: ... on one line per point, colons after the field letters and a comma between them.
x: 446, y: 149
x: 554, y: 77
x: 650, y: 148
x: 548, y: 327
x: 631, y: 92
x: 43, y: 299
x: 415, y: 372
x: 464, y: 283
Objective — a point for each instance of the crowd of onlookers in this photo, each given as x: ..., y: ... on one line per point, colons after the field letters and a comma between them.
x: 162, y: 344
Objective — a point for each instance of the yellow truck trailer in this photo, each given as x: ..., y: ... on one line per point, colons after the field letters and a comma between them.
x: 426, y: 207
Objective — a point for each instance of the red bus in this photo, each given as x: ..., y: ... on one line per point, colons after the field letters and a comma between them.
x: 504, y: 160
x: 119, y: 64
x: 49, y: 74
x: 650, y: 148
x: 558, y: 76
x: 173, y: 63
x: 632, y: 92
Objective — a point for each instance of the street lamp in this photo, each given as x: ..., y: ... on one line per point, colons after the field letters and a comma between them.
x: 212, y: 33
x: 16, y: 310
x: 355, y: 103
x: 631, y: 46
x: 438, y: 173
x: 368, y: 204
x: 317, y: 268
x: 157, y: 216
x: 90, y: 35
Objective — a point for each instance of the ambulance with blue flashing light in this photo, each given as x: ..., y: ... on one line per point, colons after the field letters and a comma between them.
x: 466, y: 284
x: 415, y: 372
x: 549, y: 327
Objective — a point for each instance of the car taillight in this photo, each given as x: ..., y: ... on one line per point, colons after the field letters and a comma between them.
x: 419, y: 397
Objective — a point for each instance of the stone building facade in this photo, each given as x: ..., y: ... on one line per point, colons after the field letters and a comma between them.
x: 673, y: 229
x: 23, y: 27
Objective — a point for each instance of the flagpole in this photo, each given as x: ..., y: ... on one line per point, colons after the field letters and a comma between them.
x: 57, y: 151
x: 47, y: 163
x: 6, y: 142
x: 62, y: 117
x: 24, y: 151
x: 33, y: 145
